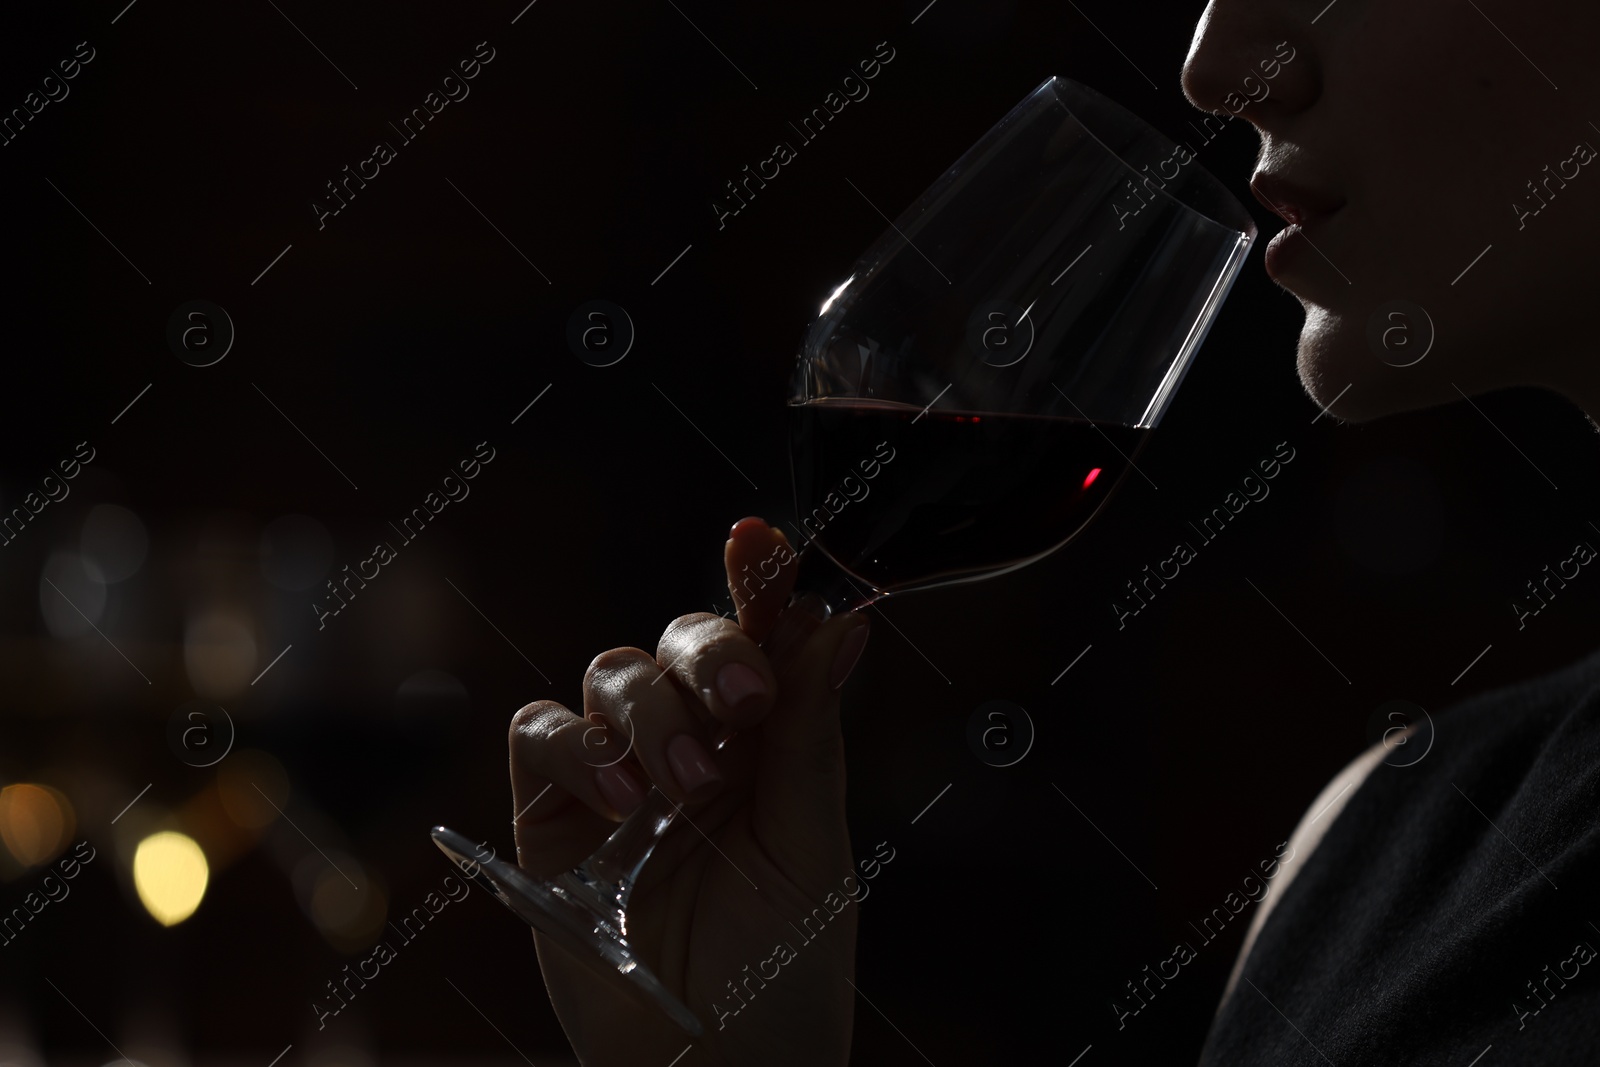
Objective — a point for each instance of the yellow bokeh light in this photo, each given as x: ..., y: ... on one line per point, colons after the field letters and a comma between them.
x: 170, y: 874
x: 35, y: 822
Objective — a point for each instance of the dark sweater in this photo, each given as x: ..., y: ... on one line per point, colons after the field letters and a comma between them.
x: 1452, y: 906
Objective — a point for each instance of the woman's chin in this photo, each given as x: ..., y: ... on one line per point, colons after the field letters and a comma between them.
x: 1344, y: 375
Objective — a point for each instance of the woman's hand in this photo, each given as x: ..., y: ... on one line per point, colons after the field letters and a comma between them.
x: 745, y: 910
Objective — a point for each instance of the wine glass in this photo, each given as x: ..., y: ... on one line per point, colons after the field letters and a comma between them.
x: 964, y: 403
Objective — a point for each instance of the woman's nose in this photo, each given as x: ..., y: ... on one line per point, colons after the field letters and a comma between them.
x: 1247, y: 59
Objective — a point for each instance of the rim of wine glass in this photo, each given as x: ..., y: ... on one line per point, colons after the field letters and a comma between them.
x: 1091, y: 105
x: 1087, y: 106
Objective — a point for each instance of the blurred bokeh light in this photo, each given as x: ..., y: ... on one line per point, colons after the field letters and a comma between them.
x: 36, y: 822
x: 346, y: 903
x: 170, y: 874
x: 72, y: 594
x: 219, y: 653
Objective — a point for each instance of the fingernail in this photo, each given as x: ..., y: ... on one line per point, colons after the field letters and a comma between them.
x: 844, y: 661
x: 620, y: 788
x: 739, y: 682
x: 748, y: 520
x: 691, y: 766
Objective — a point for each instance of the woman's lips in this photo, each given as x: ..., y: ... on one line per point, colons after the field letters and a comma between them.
x: 1294, y: 203
x: 1303, y: 208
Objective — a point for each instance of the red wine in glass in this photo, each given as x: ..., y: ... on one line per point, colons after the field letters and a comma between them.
x: 912, y: 497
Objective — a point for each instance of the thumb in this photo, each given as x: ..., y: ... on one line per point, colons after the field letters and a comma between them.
x: 800, y: 790
x: 761, y: 574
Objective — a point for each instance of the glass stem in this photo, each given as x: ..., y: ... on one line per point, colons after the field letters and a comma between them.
x: 608, y: 876
x: 823, y: 589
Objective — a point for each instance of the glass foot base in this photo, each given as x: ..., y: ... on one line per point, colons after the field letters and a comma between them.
x: 568, y: 911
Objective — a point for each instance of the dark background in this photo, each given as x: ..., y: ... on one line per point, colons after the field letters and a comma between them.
x: 408, y: 330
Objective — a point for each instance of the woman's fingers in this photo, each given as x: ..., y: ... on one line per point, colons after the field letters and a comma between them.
x: 761, y: 568
x: 553, y: 761
x: 712, y: 658
x: 559, y: 810
x: 647, y: 719
x: 626, y: 689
